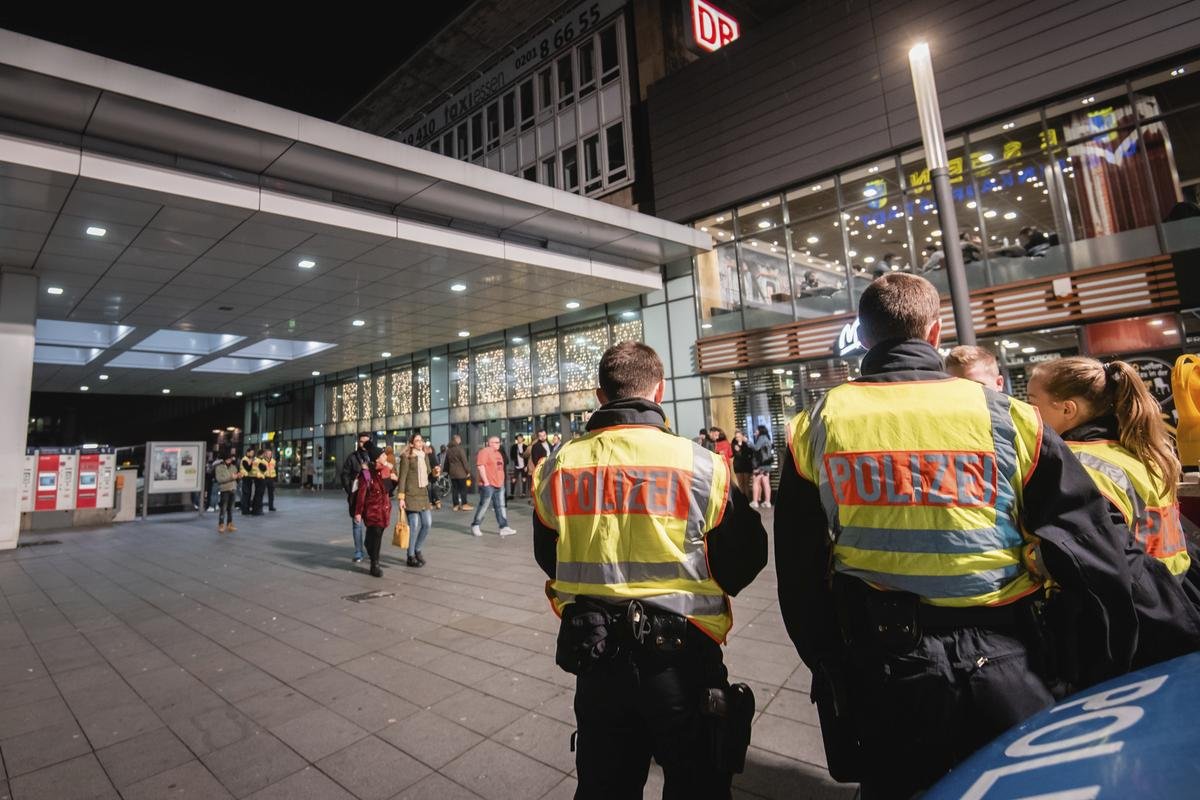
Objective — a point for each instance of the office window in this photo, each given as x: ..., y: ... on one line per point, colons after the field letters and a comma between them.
x: 448, y: 143
x: 477, y: 135
x: 610, y: 62
x: 463, y: 145
x: 545, y: 90
x: 587, y: 68
x: 566, y: 82
x: 591, y: 163
x: 530, y: 173
x: 435, y: 146
x: 570, y: 168
x: 493, y: 125
x: 550, y: 172
x: 615, y: 145
x: 527, y: 104
x: 508, y: 106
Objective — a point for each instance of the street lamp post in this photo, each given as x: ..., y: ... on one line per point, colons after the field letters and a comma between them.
x: 930, y: 116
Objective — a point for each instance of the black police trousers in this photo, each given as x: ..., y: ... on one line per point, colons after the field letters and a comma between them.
x: 640, y: 704
x: 919, y: 713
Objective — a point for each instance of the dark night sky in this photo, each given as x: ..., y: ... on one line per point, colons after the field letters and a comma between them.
x: 318, y: 64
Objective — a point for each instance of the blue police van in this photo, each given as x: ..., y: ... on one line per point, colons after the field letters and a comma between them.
x: 1137, y: 736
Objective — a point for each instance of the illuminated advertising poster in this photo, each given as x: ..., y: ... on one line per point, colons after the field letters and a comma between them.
x: 174, y: 467
x: 28, y: 477
x: 89, y: 479
x: 107, y: 478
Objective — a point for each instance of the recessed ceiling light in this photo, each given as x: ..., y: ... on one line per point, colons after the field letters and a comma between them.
x: 573, y: 304
x: 1010, y: 215
x: 706, y: 325
x: 1152, y: 322
x: 362, y: 375
x: 703, y: 229
x: 720, y: 219
x: 358, y: 323
x: 385, y: 354
x: 84, y: 388
x: 766, y: 223
x: 96, y: 230
x: 54, y: 290
x: 873, y: 170
x: 1028, y: 350
x: 869, y: 192
x: 628, y: 314
x: 517, y: 340
x: 437, y: 358
x: 777, y: 371
x: 816, y: 187
x: 316, y: 372
x: 814, y: 374
x: 458, y: 287
x: 1008, y: 126
x: 103, y: 377
x: 237, y: 394
x: 989, y: 214
x: 972, y: 204
x: 464, y: 334
x: 306, y: 263
x: 813, y: 239
x: 166, y: 391
x: 766, y: 203
x: 275, y: 394
x: 985, y: 158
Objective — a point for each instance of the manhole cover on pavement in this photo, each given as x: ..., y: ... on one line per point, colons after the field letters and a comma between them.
x: 365, y: 596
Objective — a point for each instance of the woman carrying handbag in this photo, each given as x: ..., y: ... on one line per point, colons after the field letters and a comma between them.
x: 415, y: 475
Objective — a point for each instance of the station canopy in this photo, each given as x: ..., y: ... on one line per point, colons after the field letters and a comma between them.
x: 190, y: 238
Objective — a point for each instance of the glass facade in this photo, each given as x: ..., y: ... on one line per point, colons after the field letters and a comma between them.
x: 1102, y: 177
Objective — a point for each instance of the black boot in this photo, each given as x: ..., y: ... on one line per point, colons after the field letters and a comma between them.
x: 420, y: 558
x: 413, y: 562
x: 376, y: 572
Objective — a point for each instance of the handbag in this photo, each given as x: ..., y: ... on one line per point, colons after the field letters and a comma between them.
x: 400, y: 533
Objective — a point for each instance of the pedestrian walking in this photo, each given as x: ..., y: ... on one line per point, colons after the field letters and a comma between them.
x: 489, y: 468
x: 458, y: 468
x: 416, y: 470
x: 743, y: 462
x: 764, y: 459
x: 373, y: 503
x: 351, y: 475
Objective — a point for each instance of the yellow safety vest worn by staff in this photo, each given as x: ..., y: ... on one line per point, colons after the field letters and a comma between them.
x: 270, y: 465
x: 258, y: 466
x: 246, y: 467
x: 632, y: 505
x: 921, y: 483
x: 1149, y: 512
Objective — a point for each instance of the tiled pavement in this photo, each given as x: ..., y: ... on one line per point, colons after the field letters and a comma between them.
x: 157, y: 660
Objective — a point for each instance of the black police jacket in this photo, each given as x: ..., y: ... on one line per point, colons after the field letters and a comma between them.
x: 1080, y: 546
x: 1168, y: 609
x: 737, y: 547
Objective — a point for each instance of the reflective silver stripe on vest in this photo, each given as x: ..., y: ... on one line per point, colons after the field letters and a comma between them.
x: 693, y: 567
x: 1117, y: 476
x: 818, y: 438
x: 685, y: 604
x: 703, y: 470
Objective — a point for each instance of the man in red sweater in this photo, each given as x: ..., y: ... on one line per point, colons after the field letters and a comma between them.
x: 489, y: 466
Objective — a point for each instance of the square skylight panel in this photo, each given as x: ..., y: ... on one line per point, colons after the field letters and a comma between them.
x: 69, y: 356
x: 136, y: 360
x: 283, y: 349
x: 190, y: 342
x: 237, y: 366
x: 79, y: 334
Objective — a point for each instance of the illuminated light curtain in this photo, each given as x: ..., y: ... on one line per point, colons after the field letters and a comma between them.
x: 367, y: 405
x: 461, y: 379
x: 334, y: 405
x: 423, y: 389
x: 582, y: 349
x: 381, y: 395
x: 489, y: 376
x: 402, y: 394
x: 547, y: 366
x: 520, y: 374
x: 630, y: 331
x: 349, y: 401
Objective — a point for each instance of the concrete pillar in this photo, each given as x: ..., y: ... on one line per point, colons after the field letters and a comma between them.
x: 18, y: 315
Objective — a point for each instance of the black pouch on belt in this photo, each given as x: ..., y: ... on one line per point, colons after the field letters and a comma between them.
x: 894, y: 620
x: 584, y: 638
x: 727, y: 714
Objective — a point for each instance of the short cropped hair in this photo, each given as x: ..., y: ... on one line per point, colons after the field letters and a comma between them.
x: 966, y: 355
x: 897, y: 306
x: 630, y: 369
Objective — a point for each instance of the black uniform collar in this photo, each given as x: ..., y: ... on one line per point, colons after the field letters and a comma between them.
x: 903, y: 360
x: 634, y: 411
x: 1100, y: 429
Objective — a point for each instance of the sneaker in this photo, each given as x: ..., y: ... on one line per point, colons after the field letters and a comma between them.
x: 475, y: 531
x: 766, y: 505
x: 412, y: 562
x: 506, y: 531
x: 421, y: 558
x: 357, y: 558
x: 754, y: 504
x: 458, y: 508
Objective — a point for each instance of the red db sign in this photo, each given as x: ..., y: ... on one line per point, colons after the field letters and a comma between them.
x: 711, y: 27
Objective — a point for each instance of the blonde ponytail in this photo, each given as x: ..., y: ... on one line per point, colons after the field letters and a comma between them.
x: 1139, y: 419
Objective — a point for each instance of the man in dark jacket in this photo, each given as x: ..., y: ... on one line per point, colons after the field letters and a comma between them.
x: 351, y: 473
x: 645, y: 613
x: 458, y: 469
x: 915, y: 668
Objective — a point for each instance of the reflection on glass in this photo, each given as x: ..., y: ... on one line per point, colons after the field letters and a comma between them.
x: 877, y: 184
x: 717, y: 286
x: 766, y: 295
x: 759, y: 217
x: 718, y: 226
x: 818, y: 266
x: 816, y: 199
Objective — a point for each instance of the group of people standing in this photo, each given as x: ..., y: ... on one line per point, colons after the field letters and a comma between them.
x: 252, y: 477
x: 750, y: 459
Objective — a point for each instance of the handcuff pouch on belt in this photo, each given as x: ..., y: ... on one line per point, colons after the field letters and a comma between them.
x: 593, y: 632
x: 728, y: 714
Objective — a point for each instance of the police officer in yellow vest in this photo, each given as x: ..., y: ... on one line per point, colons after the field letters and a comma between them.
x: 644, y: 539
x: 1114, y: 426
x: 258, y: 475
x: 246, y: 476
x: 269, y: 476
x: 903, y: 507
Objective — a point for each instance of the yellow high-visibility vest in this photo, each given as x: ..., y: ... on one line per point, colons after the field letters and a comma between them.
x: 270, y: 462
x: 246, y: 467
x: 922, y: 485
x: 632, y: 505
x: 1150, y: 513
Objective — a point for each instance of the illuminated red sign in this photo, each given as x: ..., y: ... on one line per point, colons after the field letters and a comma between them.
x: 711, y: 28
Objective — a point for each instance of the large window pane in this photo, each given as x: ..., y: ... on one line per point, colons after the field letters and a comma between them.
x: 508, y: 105
x: 766, y: 295
x: 545, y: 90
x: 550, y: 172
x: 615, y: 141
x: 610, y: 66
x: 587, y: 67
x: 477, y: 134
x: 591, y: 163
x: 570, y: 168
x: 526, y: 95
x: 717, y: 286
x: 402, y: 392
x: 1173, y: 148
x: 493, y: 124
x: 813, y: 200
x: 877, y: 185
x: 759, y: 217
x: 718, y: 226
x: 566, y: 82
x: 818, y: 266
x: 1175, y: 88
